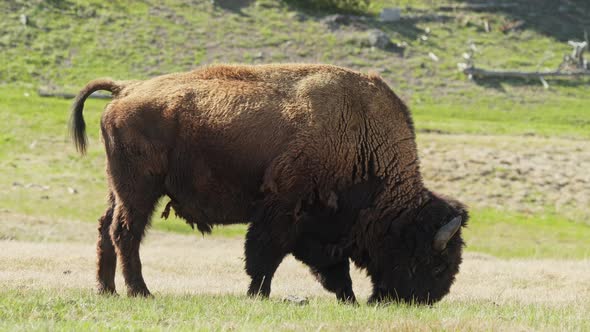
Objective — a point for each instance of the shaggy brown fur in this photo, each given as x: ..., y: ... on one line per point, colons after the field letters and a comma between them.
x: 320, y: 159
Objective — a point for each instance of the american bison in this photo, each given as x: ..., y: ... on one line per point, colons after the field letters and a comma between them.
x: 321, y: 161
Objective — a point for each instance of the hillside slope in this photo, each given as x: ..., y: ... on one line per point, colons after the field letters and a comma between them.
x: 63, y: 44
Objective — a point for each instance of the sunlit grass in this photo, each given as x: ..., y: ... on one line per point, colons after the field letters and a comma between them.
x: 75, y: 310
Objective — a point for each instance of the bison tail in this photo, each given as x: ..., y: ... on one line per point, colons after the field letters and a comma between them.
x: 77, y: 124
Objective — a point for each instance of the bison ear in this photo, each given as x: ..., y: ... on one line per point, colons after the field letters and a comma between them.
x: 445, y: 233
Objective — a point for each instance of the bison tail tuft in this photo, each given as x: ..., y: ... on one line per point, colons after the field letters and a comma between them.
x: 77, y: 123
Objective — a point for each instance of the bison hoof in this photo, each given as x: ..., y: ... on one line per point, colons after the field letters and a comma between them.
x: 349, y: 300
x: 140, y: 292
x: 258, y: 292
x: 106, y: 291
x: 346, y: 297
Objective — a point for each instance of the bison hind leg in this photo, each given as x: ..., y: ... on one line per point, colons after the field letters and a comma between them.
x: 136, y: 196
x: 105, y: 250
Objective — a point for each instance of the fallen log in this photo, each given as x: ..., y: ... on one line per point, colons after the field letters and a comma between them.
x: 483, y: 73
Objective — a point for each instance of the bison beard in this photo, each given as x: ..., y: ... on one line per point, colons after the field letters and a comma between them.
x: 320, y: 160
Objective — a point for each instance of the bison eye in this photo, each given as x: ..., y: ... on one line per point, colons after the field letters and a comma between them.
x: 438, y: 270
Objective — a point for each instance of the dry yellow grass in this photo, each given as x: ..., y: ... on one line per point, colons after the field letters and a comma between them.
x: 188, y: 265
x: 47, y: 276
x: 183, y: 264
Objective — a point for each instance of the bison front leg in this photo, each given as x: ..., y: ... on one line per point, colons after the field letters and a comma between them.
x: 336, y: 279
x: 105, y: 251
x: 267, y: 242
x: 329, y: 266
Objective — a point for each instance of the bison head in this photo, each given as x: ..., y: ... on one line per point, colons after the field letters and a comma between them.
x: 420, y: 253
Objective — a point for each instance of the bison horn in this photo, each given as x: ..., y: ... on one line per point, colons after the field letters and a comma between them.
x: 445, y: 233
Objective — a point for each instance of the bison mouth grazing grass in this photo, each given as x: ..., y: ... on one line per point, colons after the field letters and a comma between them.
x: 420, y: 263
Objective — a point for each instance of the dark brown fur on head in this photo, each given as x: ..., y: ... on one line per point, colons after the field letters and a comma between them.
x: 404, y: 266
x: 396, y: 248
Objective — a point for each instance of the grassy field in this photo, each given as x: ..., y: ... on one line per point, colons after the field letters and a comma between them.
x: 80, y: 310
x: 515, y: 152
x: 46, y: 279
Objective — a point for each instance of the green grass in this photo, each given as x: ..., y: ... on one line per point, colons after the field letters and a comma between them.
x: 74, y: 310
x: 508, y: 234
x: 66, y: 44
x: 560, y: 117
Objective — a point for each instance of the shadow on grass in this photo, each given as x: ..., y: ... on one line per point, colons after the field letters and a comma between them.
x: 337, y: 19
x: 234, y: 6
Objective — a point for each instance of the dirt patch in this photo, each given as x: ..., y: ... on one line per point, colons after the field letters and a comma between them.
x: 18, y: 227
x: 526, y: 174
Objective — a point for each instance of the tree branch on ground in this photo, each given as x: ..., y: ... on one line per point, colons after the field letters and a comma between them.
x: 573, y: 66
